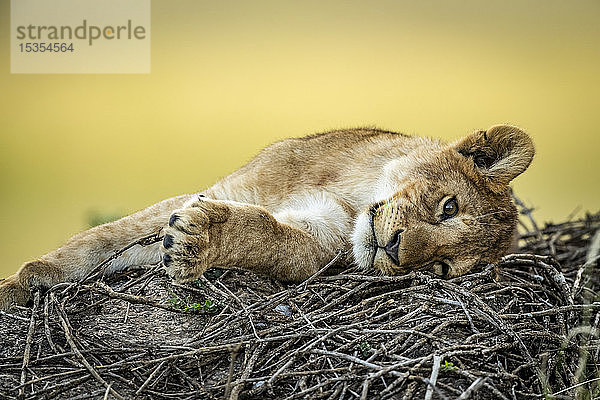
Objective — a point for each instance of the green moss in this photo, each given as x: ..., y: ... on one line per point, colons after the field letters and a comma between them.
x: 188, y: 306
x: 448, y: 366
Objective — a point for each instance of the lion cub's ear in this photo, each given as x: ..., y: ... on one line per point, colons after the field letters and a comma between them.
x: 501, y: 153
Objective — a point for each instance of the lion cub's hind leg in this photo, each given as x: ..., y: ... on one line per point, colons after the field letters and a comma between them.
x: 34, y: 274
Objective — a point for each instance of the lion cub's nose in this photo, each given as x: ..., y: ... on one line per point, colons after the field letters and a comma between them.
x: 391, y: 248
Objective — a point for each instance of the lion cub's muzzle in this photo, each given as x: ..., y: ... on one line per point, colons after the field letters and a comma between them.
x: 393, y: 246
x: 405, y: 249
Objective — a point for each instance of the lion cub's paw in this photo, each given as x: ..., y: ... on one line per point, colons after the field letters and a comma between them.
x: 11, y: 293
x: 186, y: 247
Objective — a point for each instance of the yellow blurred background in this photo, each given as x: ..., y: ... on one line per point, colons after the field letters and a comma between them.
x: 230, y: 77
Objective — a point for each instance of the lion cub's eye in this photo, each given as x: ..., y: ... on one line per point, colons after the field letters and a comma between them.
x: 441, y: 269
x: 450, y: 208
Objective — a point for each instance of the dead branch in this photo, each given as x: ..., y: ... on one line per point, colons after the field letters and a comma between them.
x: 526, y: 327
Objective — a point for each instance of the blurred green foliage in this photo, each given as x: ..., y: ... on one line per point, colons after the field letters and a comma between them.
x: 95, y: 218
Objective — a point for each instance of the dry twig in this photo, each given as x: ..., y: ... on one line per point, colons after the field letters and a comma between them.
x: 524, y: 328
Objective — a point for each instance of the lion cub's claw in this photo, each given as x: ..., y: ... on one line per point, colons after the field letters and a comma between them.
x: 185, y: 247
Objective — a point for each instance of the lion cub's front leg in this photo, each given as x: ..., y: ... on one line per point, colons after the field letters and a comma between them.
x: 223, y: 233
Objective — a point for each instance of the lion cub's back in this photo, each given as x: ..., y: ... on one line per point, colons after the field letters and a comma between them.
x: 325, y: 161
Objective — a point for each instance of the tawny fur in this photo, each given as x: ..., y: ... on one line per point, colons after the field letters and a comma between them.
x: 300, y: 201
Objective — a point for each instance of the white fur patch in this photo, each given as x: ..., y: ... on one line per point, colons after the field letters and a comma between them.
x: 137, y: 255
x: 318, y: 214
x: 362, y: 241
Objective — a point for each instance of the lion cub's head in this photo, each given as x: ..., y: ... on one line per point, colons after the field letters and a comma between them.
x: 451, y: 206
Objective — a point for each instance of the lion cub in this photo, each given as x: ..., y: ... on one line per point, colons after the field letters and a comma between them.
x: 392, y: 203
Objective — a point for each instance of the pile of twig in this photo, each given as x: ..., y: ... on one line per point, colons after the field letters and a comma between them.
x: 525, y: 328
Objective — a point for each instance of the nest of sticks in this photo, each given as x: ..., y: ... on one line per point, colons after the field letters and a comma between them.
x: 524, y: 328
